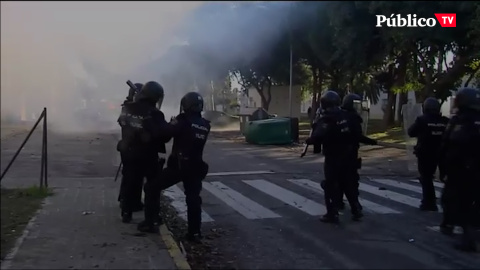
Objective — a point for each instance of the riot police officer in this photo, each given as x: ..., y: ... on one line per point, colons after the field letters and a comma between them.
x: 338, y: 142
x: 144, y: 132
x: 429, y: 129
x: 137, y: 188
x: 190, y: 132
x: 460, y: 156
x: 352, y: 105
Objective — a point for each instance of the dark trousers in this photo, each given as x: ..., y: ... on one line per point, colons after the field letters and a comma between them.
x: 192, y: 184
x: 427, y: 165
x: 134, y: 171
x: 136, y: 192
x: 458, y: 199
x: 340, y: 179
x: 353, y: 184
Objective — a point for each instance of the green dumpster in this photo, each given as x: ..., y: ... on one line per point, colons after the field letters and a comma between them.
x: 269, y: 131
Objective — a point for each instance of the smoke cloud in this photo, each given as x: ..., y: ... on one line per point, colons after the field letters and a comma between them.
x: 74, y: 57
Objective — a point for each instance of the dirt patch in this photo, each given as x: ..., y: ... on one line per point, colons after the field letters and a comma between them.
x: 17, y: 208
x: 203, y: 255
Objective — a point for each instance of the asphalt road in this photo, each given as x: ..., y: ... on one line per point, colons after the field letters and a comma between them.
x: 266, y: 202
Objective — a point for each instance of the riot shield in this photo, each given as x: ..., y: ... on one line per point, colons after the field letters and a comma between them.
x: 364, y: 111
x: 410, y: 113
x: 365, y: 115
x: 115, y: 156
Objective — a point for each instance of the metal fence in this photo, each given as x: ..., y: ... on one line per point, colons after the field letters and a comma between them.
x: 44, y: 155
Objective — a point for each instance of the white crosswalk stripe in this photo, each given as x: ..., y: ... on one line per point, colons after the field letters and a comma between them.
x: 178, y: 202
x: 435, y: 183
x: 405, y: 186
x: 368, y: 205
x: 301, y: 203
x: 238, y: 202
x: 402, y: 185
x: 239, y: 198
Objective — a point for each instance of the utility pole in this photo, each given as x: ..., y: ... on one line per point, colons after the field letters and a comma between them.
x: 291, y: 65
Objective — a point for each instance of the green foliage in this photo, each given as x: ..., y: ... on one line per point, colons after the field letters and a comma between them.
x: 337, y: 45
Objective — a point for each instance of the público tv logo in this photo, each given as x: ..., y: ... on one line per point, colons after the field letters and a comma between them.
x: 411, y: 20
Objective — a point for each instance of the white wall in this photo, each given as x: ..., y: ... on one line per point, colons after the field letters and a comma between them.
x: 376, y: 111
x: 279, y: 104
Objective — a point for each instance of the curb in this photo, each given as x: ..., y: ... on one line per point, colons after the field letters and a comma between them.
x: 179, y: 257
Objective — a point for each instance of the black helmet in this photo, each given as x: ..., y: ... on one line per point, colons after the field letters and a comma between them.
x: 350, y: 102
x: 152, y: 92
x: 330, y: 99
x: 468, y: 98
x: 431, y: 106
x: 132, y: 92
x: 192, y: 102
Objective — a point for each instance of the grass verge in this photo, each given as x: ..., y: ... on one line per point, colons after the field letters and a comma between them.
x: 203, y: 255
x: 391, y: 135
x: 17, y: 208
x: 375, y: 131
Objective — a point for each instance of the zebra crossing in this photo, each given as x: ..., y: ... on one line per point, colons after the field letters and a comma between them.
x: 405, y: 195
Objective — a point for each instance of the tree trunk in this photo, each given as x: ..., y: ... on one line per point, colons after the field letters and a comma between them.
x: 470, y: 78
x: 334, y: 81
x: 402, y: 99
x: 316, y: 85
x: 389, y: 113
x: 263, y: 99
x: 400, y: 82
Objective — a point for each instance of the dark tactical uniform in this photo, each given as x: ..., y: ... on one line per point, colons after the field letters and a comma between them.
x: 338, y: 142
x: 136, y: 191
x: 144, y: 132
x: 429, y: 129
x: 190, y: 132
x: 460, y: 158
x: 352, y: 105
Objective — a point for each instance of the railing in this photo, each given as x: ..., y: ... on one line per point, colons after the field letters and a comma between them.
x: 44, y: 163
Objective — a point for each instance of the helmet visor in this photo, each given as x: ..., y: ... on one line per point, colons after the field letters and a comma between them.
x: 159, y: 103
x: 357, y: 106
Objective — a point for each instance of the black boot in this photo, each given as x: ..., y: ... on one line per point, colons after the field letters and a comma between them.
x: 467, y: 243
x: 330, y: 218
x: 126, y: 216
x: 357, y: 215
x: 429, y: 207
x: 147, y: 227
x: 158, y: 220
x: 194, y: 237
x: 446, y: 229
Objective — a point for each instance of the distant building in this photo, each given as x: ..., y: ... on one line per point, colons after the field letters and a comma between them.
x: 280, y: 102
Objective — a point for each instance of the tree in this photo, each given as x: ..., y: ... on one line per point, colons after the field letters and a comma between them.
x: 342, y: 50
x: 267, y: 70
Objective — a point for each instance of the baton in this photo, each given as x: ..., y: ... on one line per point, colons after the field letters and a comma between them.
x: 118, y: 171
x: 305, y: 147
